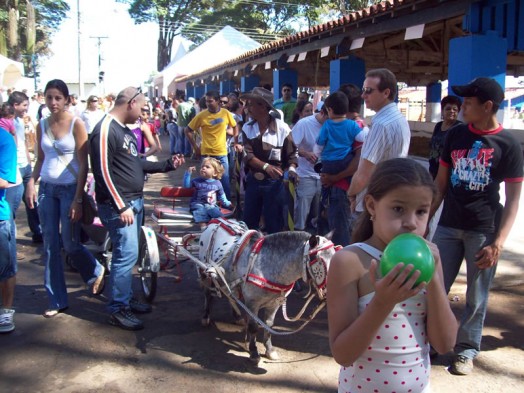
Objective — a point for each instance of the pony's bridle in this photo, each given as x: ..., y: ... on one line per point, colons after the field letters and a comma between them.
x: 317, y: 268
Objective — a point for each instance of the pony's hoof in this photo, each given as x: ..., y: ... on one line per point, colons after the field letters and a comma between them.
x: 272, y: 355
x: 254, y: 360
x: 205, y: 322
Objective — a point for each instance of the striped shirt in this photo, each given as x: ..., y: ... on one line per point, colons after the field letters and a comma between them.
x: 388, y: 138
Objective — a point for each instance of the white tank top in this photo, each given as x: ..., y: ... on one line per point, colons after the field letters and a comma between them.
x: 54, y: 169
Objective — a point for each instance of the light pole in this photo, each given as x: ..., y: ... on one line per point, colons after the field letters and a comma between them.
x: 100, y: 72
x: 80, y: 81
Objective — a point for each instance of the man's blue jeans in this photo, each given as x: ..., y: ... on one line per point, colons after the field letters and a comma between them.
x: 172, y: 129
x: 455, y: 245
x: 7, y: 243
x: 182, y: 143
x: 55, y: 202
x: 225, y: 177
x: 124, y: 239
x: 267, y: 198
x: 339, y: 215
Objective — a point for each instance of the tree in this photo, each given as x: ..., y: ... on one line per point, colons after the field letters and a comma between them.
x: 26, y: 27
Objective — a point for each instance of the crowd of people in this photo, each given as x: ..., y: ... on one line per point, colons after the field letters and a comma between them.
x: 352, y: 179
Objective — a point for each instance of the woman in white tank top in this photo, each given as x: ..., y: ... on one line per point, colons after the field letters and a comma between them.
x: 62, y: 168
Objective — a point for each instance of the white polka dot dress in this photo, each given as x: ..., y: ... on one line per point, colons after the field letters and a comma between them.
x: 397, y: 360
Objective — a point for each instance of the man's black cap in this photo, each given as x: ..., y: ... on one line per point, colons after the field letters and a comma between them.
x: 485, y: 89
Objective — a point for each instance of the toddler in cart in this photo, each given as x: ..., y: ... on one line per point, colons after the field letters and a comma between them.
x: 208, y: 191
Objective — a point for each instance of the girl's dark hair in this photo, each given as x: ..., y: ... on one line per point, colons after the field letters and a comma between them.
x: 59, y: 85
x: 450, y: 100
x: 17, y: 98
x: 299, y: 107
x: 6, y: 110
x: 388, y: 176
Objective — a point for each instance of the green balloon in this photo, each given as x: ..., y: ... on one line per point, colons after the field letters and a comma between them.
x: 409, y: 249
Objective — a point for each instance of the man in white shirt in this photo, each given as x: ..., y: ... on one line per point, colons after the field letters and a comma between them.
x: 389, y: 134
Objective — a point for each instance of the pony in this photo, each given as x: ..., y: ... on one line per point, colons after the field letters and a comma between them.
x: 261, y: 270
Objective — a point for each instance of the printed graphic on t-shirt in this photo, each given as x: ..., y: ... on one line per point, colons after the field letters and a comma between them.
x: 472, y: 167
x: 214, y: 122
x: 212, y: 197
x: 130, y: 145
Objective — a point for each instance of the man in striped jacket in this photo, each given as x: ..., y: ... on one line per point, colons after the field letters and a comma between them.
x: 119, y: 176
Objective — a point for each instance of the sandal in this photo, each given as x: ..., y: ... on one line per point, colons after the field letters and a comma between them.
x: 99, y: 284
x: 50, y: 313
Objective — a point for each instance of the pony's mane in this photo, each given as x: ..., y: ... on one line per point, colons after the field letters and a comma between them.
x: 292, y: 237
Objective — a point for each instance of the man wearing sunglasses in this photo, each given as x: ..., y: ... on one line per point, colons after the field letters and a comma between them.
x: 119, y: 186
x: 287, y: 103
x: 389, y: 134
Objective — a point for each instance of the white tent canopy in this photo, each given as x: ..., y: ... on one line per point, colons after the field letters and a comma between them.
x: 225, y: 44
x: 10, y: 71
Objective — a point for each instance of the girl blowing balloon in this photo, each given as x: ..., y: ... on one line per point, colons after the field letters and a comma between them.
x: 380, y: 328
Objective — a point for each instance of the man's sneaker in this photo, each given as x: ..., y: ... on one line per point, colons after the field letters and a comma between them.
x: 37, y: 238
x: 140, y: 308
x: 125, y: 319
x: 461, y: 365
x: 6, y: 320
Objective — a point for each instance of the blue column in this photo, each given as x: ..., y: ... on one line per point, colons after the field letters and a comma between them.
x: 433, y: 98
x: 227, y: 86
x: 284, y: 76
x: 200, y: 91
x: 190, y: 90
x: 350, y: 70
x: 248, y: 83
x: 212, y: 87
x: 478, y: 55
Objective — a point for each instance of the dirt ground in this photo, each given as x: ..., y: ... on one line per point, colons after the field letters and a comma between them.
x: 79, y: 352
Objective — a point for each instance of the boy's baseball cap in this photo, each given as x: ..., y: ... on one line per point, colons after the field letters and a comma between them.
x: 483, y: 88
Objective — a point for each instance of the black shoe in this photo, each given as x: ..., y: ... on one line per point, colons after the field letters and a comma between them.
x: 38, y: 238
x: 140, y: 308
x: 125, y: 319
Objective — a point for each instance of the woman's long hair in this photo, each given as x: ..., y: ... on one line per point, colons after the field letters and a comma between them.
x: 388, y: 176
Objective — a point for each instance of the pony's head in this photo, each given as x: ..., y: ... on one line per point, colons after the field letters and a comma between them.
x: 321, y: 250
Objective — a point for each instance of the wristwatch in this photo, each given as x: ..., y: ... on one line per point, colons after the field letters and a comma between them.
x: 79, y: 200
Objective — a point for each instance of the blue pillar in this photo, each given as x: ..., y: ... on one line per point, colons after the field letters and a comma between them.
x: 350, y: 70
x: 190, y: 90
x: 433, y: 98
x: 248, y: 83
x: 478, y: 55
x: 200, y: 91
x: 212, y: 87
x: 284, y: 76
x: 227, y: 87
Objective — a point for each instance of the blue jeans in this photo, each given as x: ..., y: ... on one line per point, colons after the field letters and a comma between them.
x: 203, y: 212
x: 55, y: 201
x: 455, y: 245
x: 172, y: 130
x: 182, y: 143
x: 225, y: 177
x: 13, y: 196
x: 32, y: 214
x: 308, y: 195
x: 267, y: 198
x: 339, y: 215
x: 7, y: 244
x: 125, y: 239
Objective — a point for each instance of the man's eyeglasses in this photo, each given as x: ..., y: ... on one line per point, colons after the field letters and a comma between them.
x: 367, y: 90
x: 224, y: 102
x: 138, y: 92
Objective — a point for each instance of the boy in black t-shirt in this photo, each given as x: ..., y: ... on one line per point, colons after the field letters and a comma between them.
x: 476, y: 158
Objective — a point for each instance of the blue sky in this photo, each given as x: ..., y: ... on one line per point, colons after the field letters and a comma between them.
x: 128, y: 54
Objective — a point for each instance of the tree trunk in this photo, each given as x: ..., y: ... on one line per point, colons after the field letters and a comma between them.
x: 30, y: 28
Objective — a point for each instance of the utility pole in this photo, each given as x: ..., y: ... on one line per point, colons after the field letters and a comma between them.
x: 80, y: 80
x: 101, y: 73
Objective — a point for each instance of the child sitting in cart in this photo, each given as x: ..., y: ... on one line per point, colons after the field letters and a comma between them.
x: 208, y: 190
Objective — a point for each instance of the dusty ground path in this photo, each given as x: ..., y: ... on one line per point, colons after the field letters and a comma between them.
x: 79, y: 352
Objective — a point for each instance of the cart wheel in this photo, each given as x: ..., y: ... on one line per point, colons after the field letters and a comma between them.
x: 148, y: 263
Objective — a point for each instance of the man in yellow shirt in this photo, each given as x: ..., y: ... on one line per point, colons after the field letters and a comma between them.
x: 215, y: 123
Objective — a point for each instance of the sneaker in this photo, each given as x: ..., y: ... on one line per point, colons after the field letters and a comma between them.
x: 461, y: 365
x: 125, y: 319
x: 37, y: 238
x: 140, y: 308
x: 6, y: 320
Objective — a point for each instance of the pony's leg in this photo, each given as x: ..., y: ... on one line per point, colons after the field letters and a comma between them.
x: 208, y: 300
x: 271, y: 353
x: 251, y: 338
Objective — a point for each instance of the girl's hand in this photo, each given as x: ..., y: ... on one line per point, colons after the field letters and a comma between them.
x: 75, y: 211
x: 395, y: 286
x: 30, y: 195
